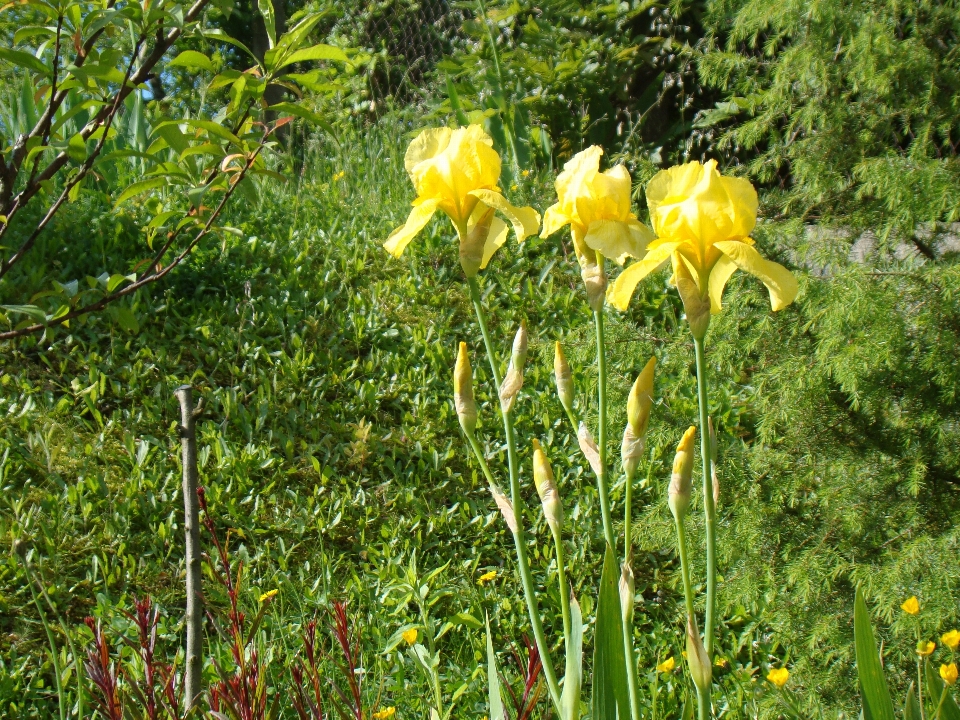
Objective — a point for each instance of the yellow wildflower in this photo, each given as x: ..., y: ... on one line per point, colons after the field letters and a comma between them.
x: 911, y: 605
x: 949, y: 673
x: 385, y: 713
x: 926, y: 648
x: 268, y: 595
x: 456, y: 172
x: 339, y: 176
x: 951, y: 639
x: 487, y: 577
x: 778, y: 676
x: 596, y: 206
x: 667, y: 665
x: 703, y: 222
x: 409, y: 636
x: 681, y: 485
x: 525, y: 173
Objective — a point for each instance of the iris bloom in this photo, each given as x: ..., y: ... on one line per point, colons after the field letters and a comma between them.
x: 703, y: 221
x: 456, y: 172
x: 596, y: 206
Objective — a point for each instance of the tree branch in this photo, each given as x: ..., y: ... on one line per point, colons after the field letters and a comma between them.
x: 154, y: 274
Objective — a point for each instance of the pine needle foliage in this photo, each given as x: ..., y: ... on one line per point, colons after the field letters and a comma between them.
x: 847, y: 112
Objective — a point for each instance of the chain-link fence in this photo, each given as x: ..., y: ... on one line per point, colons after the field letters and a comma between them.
x: 406, y: 38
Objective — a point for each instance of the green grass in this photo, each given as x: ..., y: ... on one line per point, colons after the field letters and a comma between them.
x: 330, y: 446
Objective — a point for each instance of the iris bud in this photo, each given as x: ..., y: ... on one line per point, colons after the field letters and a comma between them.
x: 681, y: 485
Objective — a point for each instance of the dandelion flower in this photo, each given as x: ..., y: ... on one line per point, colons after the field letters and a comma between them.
x: 385, y: 713
x: 409, y: 636
x: 268, y: 595
x: 778, y: 676
x: 667, y: 665
x: 911, y: 605
x: 925, y: 648
x: 487, y: 577
x: 949, y: 673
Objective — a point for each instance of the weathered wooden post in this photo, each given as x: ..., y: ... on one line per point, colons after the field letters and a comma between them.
x: 191, y: 523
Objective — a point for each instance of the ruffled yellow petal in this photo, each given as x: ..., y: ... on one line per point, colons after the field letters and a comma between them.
x: 743, y: 203
x: 621, y: 290
x: 427, y: 145
x: 577, y: 172
x: 719, y: 276
x: 553, y: 219
x: 525, y: 220
x: 416, y: 221
x: 779, y: 281
x: 495, y: 240
x: 618, y: 240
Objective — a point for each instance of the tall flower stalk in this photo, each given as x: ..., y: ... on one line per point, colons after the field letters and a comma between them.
x: 703, y: 222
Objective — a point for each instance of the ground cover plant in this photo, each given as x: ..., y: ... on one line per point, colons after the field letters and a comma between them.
x: 332, y: 459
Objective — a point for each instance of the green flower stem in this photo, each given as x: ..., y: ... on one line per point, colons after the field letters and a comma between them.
x: 519, y: 537
x: 709, y: 511
x: 564, y: 590
x: 602, y: 433
x: 628, y: 519
x: 605, y: 506
x: 684, y: 565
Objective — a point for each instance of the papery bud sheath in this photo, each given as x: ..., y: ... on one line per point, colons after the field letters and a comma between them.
x: 564, y: 376
x: 514, y: 379
x: 463, y: 391
x: 700, y: 668
x: 547, y: 488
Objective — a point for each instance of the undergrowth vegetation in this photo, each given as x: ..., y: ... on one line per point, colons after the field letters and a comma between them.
x: 330, y: 449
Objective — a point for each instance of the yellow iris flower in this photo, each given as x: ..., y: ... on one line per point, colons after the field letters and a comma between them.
x: 456, y: 172
x: 703, y: 222
x: 596, y: 206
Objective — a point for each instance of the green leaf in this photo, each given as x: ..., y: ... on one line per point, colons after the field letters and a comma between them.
x: 217, y: 130
x: 493, y: 679
x: 573, y: 676
x: 192, y: 59
x: 127, y: 320
x: 877, y: 704
x: 609, y: 665
x: 31, y: 311
x: 949, y: 711
x: 24, y: 60
x: 269, y: 20
x: 77, y: 148
x: 140, y: 187
x: 316, y: 52
x: 217, y: 34
x: 464, y: 618
x: 911, y: 709
x: 116, y: 280
x: 309, y: 115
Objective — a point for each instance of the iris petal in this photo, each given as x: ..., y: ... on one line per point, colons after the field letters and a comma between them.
x: 618, y: 240
x: 416, y: 221
x: 779, y: 281
x: 622, y: 288
x: 525, y: 220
